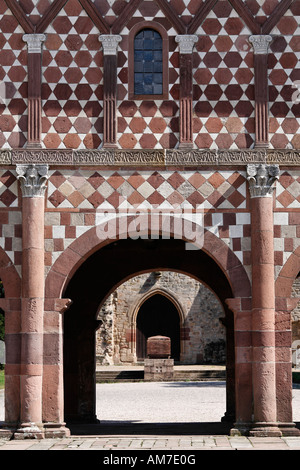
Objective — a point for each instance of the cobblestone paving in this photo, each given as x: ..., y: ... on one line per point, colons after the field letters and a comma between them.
x: 187, y: 444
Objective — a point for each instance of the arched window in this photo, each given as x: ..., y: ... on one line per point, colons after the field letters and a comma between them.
x: 148, y: 61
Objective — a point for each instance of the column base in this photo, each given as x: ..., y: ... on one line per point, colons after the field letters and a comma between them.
x: 289, y: 429
x: 29, y: 431
x: 186, y: 145
x: 33, y: 145
x: 56, y: 430
x: 7, y: 431
x: 265, y: 430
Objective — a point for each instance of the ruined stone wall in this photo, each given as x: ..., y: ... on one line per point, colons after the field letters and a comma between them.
x: 202, y: 333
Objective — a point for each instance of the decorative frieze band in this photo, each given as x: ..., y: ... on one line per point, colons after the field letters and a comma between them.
x: 261, y: 179
x: 33, y: 179
x: 162, y: 157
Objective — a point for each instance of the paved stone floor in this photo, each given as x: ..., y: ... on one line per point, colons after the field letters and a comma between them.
x: 186, y: 444
x: 130, y: 422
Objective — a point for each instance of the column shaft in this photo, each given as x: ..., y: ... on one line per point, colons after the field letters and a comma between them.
x: 261, y: 178
x: 32, y: 180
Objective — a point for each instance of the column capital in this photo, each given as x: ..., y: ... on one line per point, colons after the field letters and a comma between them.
x: 33, y: 179
x: 186, y: 42
x: 34, y: 42
x: 260, y: 43
x: 110, y: 43
x: 261, y: 178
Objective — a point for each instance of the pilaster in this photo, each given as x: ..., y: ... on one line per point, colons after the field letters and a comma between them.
x: 186, y: 44
x: 260, y: 45
x: 110, y: 45
x: 34, y: 48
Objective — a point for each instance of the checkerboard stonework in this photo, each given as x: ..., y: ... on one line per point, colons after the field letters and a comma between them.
x: 218, y: 136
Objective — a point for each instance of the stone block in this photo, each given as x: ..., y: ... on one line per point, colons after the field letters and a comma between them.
x: 158, y: 370
x: 159, y: 347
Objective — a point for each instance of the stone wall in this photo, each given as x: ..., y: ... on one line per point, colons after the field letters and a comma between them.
x: 202, y: 333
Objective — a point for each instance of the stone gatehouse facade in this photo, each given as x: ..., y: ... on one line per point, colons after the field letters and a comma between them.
x: 132, y: 131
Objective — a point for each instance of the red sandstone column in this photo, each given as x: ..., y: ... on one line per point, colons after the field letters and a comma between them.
x: 110, y: 45
x: 243, y: 364
x: 186, y: 44
x: 33, y: 184
x: 34, y: 46
x: 261, y: 178
x: 260, y: 46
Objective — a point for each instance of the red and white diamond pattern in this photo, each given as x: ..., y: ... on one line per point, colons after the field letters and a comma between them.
x: 84, y: 189
x: 13, y: 86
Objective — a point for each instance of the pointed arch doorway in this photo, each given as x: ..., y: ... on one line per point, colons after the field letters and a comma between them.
x: 157, y: 316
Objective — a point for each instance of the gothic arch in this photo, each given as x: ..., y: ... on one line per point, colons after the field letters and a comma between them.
x: 140, y: 299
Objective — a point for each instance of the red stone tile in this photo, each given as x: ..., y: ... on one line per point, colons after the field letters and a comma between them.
x: 127, y: 141
x: 285, y: 198
x: 148, y: 141
x: 136, y: 179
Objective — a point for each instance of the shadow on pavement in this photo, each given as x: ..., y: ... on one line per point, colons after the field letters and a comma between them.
x: 132, y: 428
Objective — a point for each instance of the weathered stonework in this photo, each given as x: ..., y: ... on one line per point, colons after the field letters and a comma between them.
x: 203, y: 335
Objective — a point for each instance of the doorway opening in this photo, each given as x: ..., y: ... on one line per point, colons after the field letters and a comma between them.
x: 157, y: 316
x: 100, y: 275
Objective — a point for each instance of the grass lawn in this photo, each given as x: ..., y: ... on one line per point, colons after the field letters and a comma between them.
x: 1, y: 379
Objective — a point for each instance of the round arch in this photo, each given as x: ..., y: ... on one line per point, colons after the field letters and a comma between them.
x: 121, y: 258
x: 287, y: 275
x: 87, y: 244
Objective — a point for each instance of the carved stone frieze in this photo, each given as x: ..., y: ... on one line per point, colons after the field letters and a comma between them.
x: 94, y: 157
x: 33, y: 179
x: 5, y: 157
x: 261, y: 179
x: 131, y: 157
x: 284, y: 157
x: 191, y: 157
x: 49, y: 156
x: 232, y: 157
x: 140, y: 157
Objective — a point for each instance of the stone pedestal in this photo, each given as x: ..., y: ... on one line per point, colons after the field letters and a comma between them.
x: 159, y: 370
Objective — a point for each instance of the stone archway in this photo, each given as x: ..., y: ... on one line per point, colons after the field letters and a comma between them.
x: 215, y: 265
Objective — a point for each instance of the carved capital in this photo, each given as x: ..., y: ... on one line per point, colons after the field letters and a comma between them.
x: 261, y: 179
x: 34, y: 42
x: 260, y: 43
x: 186, y: 42
x: 110, y: 43
x: 33, y: 179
